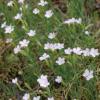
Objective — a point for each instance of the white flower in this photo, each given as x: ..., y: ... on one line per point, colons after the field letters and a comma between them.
x: 88, y: 74
x: 26, y: 96
x: 43, y: 81
x: 3, y: 25
x: 52, y: 35
x: 9, y: 29
x: 86, y: 52
x: 10, y: 3
x: 48, y: 13
x: 87, y: 32
x: 14, y: 81
x: 60, y: 61
x: 94, y: 52
x: 36, y: 98
x: 51, y: 98
x: 36, y: 11
x: 24, y: 43
x: 17, y: 49
x: 73, y: 20
x: 77, y: 51
x: 42, y: 3
x: 9, y: 40
x: 58, y: 46
x: 18, y: 16
x: 55, y: 46
x: 21, y: 1
x: 31, y: 33
x: 47, y: 46
x: 58, y: 79
x: 68, y: 51
x: 44, y: 57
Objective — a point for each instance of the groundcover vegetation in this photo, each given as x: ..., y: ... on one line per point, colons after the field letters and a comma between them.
x: 49, y: 50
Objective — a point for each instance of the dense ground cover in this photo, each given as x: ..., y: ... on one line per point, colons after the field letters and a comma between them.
x: 49, y: 50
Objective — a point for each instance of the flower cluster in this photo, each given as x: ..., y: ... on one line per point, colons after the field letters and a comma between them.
x: 8, y: 28
x: 48, y: 13
x: 27, y: 97
x: 43, y: 81
x: 22, y: 44
x: 86, y: 52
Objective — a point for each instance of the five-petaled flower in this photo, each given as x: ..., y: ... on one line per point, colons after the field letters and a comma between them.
x: 9, y: 28
x: 43, y: 81
x: 44, y: 57
x: 88, y: 74
x: 24, y: 43
x: 58, y: 79
x: 36, y: 11
x: 36, y: 98
x: 18, y: 16
x: 17, y: 49
x: 31, y: 33
x: 60, y: 60
x: 42, y: 3
x: 14, y: 81
x: 48, y: 13
x: 26, y: 96
x: 52, y: 35
x: 50, y: 98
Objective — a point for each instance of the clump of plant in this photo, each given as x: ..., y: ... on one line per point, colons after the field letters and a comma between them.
x: 47, y: 55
